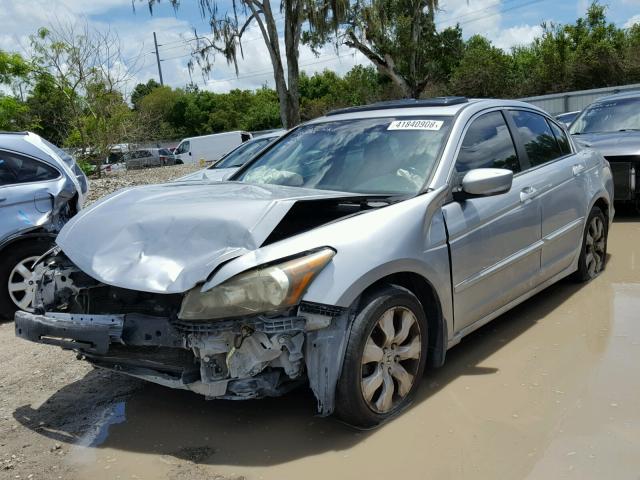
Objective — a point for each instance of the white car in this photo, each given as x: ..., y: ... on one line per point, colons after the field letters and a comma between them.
x: 232, y: 161
x: 208, y: 148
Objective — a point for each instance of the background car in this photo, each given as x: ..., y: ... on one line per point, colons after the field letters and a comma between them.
x: 567, y: 118
x: 612, y: 125
x: 41, y: 187
x: 149, y: 157
x: 234, y: 159
x: 205, y: 149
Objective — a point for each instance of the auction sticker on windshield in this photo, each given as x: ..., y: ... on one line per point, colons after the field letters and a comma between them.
x: 415, y: 125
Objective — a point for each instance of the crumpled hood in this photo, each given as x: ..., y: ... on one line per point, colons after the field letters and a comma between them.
x: 209, y: 174
x: 612, y: 144
x: 167, y: 238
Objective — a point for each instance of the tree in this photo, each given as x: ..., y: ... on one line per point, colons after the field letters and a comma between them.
x: 86, y: 68
x: 12, y: 66
x: 141, y: 90
x: 400, y: 38
x: 228, y: 25
x: 484, y: 70
x: 49, y: 110
x: 14, y: 113
x: 156, y: 107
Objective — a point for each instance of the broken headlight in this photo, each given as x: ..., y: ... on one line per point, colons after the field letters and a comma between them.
x: 261, y: 290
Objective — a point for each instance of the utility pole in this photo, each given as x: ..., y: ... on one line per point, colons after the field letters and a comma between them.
x: 155, y: 42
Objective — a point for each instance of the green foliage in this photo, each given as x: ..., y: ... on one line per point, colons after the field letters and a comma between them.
x: 12, y: 66
x: 14, y: 114
x: 141, y: 90
x: 483, y: 70
x: 49, y: 109
x: 401, y: 39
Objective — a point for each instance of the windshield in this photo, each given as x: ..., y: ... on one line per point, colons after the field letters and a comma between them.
x: 183, y: 148
x: 241, y: 155
x: 612, y: 116
x: 373, y: 155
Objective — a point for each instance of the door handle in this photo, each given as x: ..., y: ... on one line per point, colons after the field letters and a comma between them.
x: 2, y: 199
x: 527, y: 193
x: 577, y: 169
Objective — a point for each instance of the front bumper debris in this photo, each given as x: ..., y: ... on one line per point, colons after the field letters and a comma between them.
x: 89, y: 333
x: 229, y: 359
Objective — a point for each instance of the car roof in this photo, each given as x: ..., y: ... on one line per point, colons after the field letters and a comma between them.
x: 618, y: 96
x: 274, y: 134
x: 19, y: 142
x: 426, y: 107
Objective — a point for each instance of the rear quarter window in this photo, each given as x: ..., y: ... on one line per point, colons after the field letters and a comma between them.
x: 16, y: 169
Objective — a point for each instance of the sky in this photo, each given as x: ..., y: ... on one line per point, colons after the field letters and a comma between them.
x: 506, y: 23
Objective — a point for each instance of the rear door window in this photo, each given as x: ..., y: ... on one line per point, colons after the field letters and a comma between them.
x: 15, y: 169
x: 487, y: 143
x: 536, y: 135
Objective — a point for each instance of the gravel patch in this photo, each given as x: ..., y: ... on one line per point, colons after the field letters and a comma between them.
x: 111, y: 182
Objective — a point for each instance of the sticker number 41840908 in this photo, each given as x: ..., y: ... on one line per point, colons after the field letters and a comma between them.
x: 415, y: 125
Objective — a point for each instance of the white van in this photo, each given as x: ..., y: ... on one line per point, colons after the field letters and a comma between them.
x: 208, y: 148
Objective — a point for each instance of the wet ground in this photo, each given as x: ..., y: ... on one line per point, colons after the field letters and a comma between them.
x: 548, y: 390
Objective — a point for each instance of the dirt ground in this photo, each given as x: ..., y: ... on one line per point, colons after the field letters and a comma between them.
x: 548, y: 390
x: 113, y: 181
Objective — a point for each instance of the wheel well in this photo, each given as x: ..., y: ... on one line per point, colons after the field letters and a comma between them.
x: 27, y: 238
x: 602, y: 204
x: 428, y: 297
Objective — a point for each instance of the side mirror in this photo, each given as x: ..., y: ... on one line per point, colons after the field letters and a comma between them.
x: 487, y: 181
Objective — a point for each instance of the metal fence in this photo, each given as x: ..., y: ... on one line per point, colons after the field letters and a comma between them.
x: 557, y: 103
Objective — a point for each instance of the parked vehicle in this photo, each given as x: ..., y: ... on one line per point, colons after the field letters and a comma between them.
x: 567, y: 118
x: 41, y: 187
x: 612, y: 126
x: 208, y: 148
x: 348, y: 255
x: 234, y: 159
x: 149, y: 157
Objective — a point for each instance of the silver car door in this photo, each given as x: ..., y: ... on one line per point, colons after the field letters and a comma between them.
x: 559, y: 184
x: 495, y: 240
x: 24, y: 200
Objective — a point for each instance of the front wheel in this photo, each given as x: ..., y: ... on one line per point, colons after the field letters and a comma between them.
x: 385, y: 358
x: 17, y: 285
x: 594, y: 247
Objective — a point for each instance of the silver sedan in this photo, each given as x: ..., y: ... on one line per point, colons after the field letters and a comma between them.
x: 354, y: 251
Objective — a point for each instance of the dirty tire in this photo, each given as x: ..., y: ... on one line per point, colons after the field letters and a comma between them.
x: 390, y: 355
x: 593, y: 254
x: 12, y: 256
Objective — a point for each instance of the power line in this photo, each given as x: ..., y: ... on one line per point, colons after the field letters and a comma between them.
x: 270, y: 71
x: 177, y: 56
x: 492, y: 14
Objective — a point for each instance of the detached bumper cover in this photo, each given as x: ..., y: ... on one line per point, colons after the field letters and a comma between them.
x: 89, y: 333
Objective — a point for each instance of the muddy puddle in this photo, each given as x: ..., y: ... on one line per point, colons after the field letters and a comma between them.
x: 548, y: 390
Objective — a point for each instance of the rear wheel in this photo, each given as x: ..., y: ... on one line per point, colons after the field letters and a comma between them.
x: 384, y: 360
x: 17, y: 285
x: 594, y: 247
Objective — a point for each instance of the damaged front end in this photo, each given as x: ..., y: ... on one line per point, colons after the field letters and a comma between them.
x: 249, y: 337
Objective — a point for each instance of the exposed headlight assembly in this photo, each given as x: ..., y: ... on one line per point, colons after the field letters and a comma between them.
x: 261, y: 290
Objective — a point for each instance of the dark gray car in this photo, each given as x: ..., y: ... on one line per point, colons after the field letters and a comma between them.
x: 149, y: 157
x: 41, y: 187
x: 612, y: 126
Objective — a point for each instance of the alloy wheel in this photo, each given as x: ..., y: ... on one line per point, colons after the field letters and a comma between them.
x: 391, y: 359
x: 595, y: 246
x: 22, y: 285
